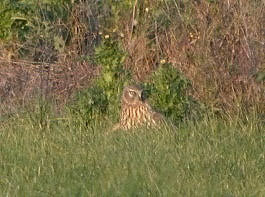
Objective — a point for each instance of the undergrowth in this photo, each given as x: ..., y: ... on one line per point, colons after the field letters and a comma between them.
x: 166, y: 89
x: 216, y: 45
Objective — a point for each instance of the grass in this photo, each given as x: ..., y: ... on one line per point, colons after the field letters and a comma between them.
x: 211, y: 157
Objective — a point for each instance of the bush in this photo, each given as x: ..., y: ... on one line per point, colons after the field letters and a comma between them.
x: 218, y: 45
x: 36, y: 26
x: 103, y: 97
x: 167, y: 91
x: 89, y: 105
x: 14, y: 19
x: 113, y: 76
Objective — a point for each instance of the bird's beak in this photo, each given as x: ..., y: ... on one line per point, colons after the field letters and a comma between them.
x: 140, y: 94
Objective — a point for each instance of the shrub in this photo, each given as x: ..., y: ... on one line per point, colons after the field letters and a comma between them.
x: 89, y: 105
x: 167, y: 90
x: 112, y: 13
x: 103, y: 97
x: 113, y: 76
x: 36, y: 26
x: 14, y: 20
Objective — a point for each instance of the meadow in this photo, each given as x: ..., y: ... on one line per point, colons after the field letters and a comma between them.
x: 64, y: 64
x: 209, y: 157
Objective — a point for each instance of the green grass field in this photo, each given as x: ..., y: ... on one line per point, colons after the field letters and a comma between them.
x: 210, y: 157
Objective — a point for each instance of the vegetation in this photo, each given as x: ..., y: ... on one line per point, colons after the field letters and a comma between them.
x: 101, y: 99
x: 217, y: 45
x: 64, y: 63
x: 167, y: 89
x: 210, y: 157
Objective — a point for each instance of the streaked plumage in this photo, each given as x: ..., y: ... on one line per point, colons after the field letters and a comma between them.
x: 135, y: 112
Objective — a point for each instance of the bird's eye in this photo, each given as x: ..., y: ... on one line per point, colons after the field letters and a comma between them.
x: 131, y: 93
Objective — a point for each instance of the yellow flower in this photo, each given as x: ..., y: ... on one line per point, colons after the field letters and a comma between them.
x: 106, y: 36
x: 163, y: 61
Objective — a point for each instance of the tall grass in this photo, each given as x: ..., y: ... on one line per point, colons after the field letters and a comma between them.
x: 208, y: 157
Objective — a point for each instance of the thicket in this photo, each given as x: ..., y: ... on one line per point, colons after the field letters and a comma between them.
x: 211, y: 52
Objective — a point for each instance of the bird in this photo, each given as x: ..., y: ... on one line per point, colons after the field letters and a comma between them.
x: 136, y: 111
